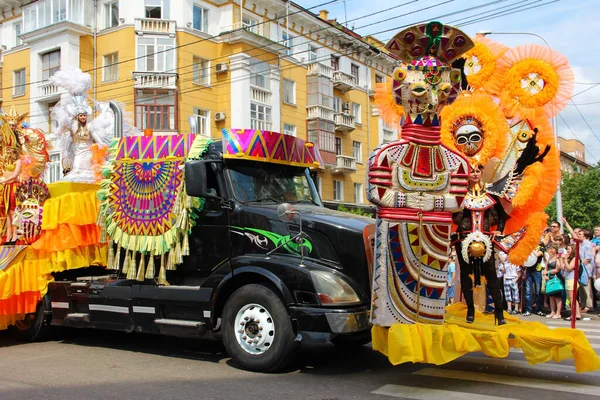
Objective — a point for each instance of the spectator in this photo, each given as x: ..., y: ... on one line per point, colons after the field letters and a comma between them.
x: 586, y: 257
x: 568, y: 266
x: 596, y: 242
x: 533, y: 281
x: 511, y: 289
x: 451, y: 279
x: 552, y: 269
x: 553, y: 235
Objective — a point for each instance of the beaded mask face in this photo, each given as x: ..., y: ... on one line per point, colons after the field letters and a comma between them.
x: 468, y: 138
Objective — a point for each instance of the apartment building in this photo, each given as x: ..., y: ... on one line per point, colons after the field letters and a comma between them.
x: 262, y: 64
x: 572, y: 156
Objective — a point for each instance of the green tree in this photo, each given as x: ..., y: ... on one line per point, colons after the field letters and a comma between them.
x: 581, y: 199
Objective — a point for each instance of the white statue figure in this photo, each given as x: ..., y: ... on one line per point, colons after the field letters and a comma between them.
x: 76, y: 134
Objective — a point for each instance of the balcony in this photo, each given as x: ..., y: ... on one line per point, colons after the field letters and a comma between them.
x: 48, y: 92
x: 343, y: 81
x: 260, y: 95
x: 155, y: 26
x: 320, y: 69
x: 345, y: 165
x: 253, y: 28
x: 44, y: 13
x: 319, y: 112
x: 344, y: 122
x: 155, y: 80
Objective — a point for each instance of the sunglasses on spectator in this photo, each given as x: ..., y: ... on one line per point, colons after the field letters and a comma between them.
x: 554, y: 226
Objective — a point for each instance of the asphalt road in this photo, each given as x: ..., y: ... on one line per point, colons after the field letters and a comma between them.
x: 90, y: 365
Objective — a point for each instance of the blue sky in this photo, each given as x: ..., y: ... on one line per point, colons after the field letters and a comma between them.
x: 570, y: 26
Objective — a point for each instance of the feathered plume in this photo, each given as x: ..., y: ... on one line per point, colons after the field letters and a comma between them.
x: 72, y: 79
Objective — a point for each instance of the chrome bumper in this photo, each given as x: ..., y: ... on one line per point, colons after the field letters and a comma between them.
x: 348, y: 322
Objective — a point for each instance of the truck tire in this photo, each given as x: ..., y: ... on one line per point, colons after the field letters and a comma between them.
x: 257, y: 330
x: 34, y: 328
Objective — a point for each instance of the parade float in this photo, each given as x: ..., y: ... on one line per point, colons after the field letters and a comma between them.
x: 474, y: 169
x: 182, y: 235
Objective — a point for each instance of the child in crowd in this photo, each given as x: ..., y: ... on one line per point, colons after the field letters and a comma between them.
x: 451, y: 279
x: 511, y: 289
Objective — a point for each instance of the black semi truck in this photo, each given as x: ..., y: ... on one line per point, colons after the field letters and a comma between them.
x: 269, y: 268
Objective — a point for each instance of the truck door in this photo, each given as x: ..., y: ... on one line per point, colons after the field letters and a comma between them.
x: 209, y: 239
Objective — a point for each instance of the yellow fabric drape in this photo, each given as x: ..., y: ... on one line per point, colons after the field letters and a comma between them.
x: 70, y: 203
x: 440, y: 344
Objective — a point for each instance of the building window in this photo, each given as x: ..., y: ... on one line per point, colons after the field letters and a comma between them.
x: 289, y: 129
x: 18, y: 31
x: 201, y: 73
x: 356, y: 110
x: 357, y: 151
x: 260, y: 117
x: 379, y: 79
x: 19, y: 82
x: 200, y: 22
x: 319, y: 91
x: 110, y: 70
x: 260, y: 73
x: 358, y: 193
x: 337, y: 104
x: 321, y: 132
x: 156, y: 110
x: 203, y: 119
x: 338, y: 146
x: 287, y: 40
x: 111, y: 14
x: 312, y: 53
x: 354, y: 71
x: 289, y: 91
x: 50, y: 64
x: 158, y: 9
x: 251, y: 24
x: 335, y: 63
x: 155, y: 54
x: 338, y: 190
x: 53, y: 168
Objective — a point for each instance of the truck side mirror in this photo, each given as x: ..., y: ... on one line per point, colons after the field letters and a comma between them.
x: 196, y: 179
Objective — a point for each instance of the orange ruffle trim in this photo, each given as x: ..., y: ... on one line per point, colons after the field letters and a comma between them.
x: 68, y: 236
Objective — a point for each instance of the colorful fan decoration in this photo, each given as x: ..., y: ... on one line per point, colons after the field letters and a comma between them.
x: 144, y: 206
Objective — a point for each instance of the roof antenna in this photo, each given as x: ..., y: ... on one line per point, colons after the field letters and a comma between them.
x: 345, y: 15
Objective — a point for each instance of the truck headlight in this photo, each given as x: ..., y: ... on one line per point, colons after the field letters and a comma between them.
x: 333, y: 290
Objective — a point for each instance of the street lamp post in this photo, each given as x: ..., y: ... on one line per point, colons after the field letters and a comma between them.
x: 559, y: 205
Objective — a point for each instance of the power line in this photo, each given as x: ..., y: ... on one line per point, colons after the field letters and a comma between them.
x: 585, y: 120
x: 505, y: 13
x: 202, y: 40
x: 486, y: 12
x: 585, y: 90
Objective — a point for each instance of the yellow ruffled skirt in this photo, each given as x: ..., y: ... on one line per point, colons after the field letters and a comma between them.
x: 440, y: 344
x: 69, y: 240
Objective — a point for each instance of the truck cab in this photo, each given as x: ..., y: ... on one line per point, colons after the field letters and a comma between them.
x: 269, y: 268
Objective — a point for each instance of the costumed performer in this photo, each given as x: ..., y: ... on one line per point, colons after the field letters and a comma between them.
x: 77, y: 136
x: 416, y: 182
x: 11, y: 166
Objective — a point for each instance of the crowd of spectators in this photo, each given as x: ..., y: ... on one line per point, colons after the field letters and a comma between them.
x: 552, y: 266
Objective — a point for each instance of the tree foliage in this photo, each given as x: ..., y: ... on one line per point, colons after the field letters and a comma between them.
x: 356, y: 211
x: 581, y: 199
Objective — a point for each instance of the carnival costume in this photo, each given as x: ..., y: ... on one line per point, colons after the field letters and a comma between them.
x: 78, y: 137
x: 500, y: 123
x: 417, y: 182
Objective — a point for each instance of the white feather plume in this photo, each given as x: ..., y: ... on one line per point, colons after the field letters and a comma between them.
x: 73, y: 80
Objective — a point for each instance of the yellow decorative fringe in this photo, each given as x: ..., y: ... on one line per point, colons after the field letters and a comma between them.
x: 126, y: 263
x: 162, y: 274
x: 150, y: 272
x: 111, y: 257
x: 132, y: 273
x: 186, y: 244
x: 141, y: 270
x: 117, y: 258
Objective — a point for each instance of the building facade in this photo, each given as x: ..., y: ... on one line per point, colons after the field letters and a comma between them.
x: 572, y: 156
x: 268, y: 64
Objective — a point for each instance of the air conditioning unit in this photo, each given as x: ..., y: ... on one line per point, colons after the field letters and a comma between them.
x: 346, y: 107
x: 220, y: 116
x: 222, y: 67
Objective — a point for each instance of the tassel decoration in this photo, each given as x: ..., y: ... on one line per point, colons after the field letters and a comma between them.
x: 117, y: 263
x: 126, y: 263
x: 111, y: 257
x: 178, y: 254
x: 162, y: 274
x: 132, y: 272
x: 185, y: 250
x: 142, y: 268
x: 150, y: 272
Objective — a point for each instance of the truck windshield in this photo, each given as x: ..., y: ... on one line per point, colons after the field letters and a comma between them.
x: 263, y: 182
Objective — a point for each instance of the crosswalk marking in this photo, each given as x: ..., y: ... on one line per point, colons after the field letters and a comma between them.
x: 510, y: 380
x: 423, y: 393
x: 503, y: 362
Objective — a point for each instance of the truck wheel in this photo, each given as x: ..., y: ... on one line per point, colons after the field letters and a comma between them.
x: 34, y: 327
x: 257, y: 330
